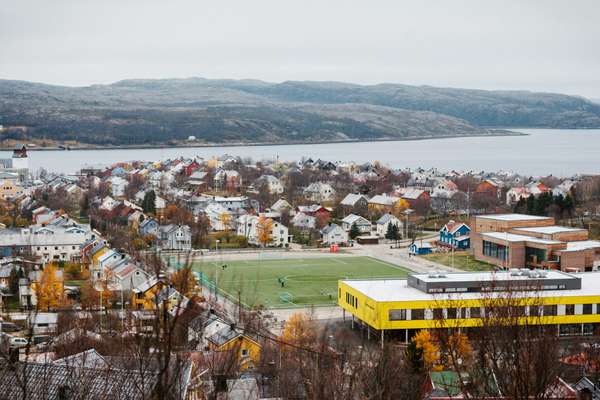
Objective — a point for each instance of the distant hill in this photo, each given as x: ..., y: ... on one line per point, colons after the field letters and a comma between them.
x: 167, y: 111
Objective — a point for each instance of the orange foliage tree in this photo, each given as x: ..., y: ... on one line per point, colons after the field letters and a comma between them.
x: 431, y: 351
x: 184, y: 282
x: 49, y: 289
x: 264, y: 229
x: 299, y: 330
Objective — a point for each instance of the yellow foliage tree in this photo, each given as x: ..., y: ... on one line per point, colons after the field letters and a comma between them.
x: 225, y: 220
x: 399, y: 207
x: 264, y: 229
x: 49, y: 290
x: 185, y: 282
x: 460, y: 348
x: 431, y: 351
x: 299, y: 330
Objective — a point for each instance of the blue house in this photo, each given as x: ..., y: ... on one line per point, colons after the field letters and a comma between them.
x: 455, y: 235
x: 149, y: 227
x: 420, y: 248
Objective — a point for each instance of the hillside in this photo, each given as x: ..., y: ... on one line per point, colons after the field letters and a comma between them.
x: 146, y: 112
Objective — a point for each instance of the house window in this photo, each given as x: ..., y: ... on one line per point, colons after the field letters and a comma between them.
x: 244, y: 352
x: 397, y: 315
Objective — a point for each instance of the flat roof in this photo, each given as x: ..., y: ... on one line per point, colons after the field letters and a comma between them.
x: 387, y: 290
x: 550, y: 229
x: 485, y: 276
x: 582, y: 245
x: 513, y: 217
x: 512, y: 237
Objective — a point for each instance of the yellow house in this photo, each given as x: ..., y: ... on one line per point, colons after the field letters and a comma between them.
x: 144, y: 297
x: 10, y: 189
x: 571, y: 303
x: 245, y: 349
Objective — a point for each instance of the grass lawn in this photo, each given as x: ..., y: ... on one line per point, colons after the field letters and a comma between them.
x: 308, y: 281
x: 78, y: 282
x: 462, y: 260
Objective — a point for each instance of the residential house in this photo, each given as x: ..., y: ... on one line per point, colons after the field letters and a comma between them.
x: 149, y: 226
x: 416, y: 198
x: 319, y: 192
x: 118, y: 186
x: 455, y: 235
x: 334, y: 234
x: 272, y: 183
x: 249, y: 226
x: 363, y: 224
x: 489, y: 188
x: 281, y: 205
x: 355, y: 203
x: 386, y: 220
x: 232, y: 339
x: 227, y: 179
x: 175, y: 237
x: 304, y: 221
x: 382, y: 203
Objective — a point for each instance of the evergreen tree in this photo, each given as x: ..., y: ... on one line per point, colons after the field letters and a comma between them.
x: 396, y: 232
x: 414, y: 356
x: 569, y: 205
x: 354, y: 232
x: 531, y: 204
x: 148, y: 204
x: 389, y: 233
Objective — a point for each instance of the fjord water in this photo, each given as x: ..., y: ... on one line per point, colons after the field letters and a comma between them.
x: 561, y: 152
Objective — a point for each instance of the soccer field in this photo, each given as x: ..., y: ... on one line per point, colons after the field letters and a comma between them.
x: 307, y: 281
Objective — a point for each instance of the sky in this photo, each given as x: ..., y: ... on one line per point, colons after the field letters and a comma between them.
x: 543, y: 45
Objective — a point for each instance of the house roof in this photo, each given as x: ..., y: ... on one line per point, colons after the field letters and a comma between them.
x: 385, y: 218
x: 329, y: 228
x: 355, y: 219
x: 352, y: 198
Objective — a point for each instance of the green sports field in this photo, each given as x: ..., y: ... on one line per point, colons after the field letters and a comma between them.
x: 308, y: 281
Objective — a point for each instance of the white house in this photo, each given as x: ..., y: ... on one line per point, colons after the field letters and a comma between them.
x: 248, y: 226
x: 175, y: 237
x: 118, y: 186
x: 385, y: 220
x: 304, y: 221
x: 334, y: 234
x: 363, y: 224
x: 281, y: 205
x: 273, y: 183
x: 319, y: 192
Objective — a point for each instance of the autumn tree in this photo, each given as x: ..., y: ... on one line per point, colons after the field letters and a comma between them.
x: 424, y: 342
x: 299, y: 330
x: 49, y: 288
x: 264, y: 230
x: 399, y: 207
x: 184, y: 281
x: 225, y: 220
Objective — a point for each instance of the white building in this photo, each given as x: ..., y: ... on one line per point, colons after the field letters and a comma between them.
x: 248, y: 226
x: 272, y: 183
x: 118, y: 186
x: 319, y: 192
x: 385, y: 220
x: 56, y: 243
x: 175, y: 237
x: 363, y: 224
x: 304, y: 221
x: 334, y: 234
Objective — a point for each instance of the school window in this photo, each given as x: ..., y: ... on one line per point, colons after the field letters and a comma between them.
x: 587, y: 309
x: 475, y: 312
x: 452, y: 313
x: 534, y: 311
x: 417, y: 314
x: 550, y: 310
x: 495, y: 250
x: 438, y: 313
x: 397, y: 315
x: 570, y: 309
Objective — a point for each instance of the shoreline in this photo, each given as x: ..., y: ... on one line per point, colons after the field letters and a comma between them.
x: 493, y: 133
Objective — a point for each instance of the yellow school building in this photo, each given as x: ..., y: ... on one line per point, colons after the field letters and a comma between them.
x: 571, y: 302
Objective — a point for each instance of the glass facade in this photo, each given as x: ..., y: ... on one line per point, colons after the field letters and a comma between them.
x: 495, y: 250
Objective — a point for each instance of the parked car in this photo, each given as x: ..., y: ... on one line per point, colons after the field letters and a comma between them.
x: 9, y: 327
x: 17, y: 342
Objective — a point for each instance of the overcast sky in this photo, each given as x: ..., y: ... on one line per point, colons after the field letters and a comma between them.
x: 494, y: 44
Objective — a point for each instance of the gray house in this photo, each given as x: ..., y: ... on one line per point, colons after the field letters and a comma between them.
x: 175, y: 237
